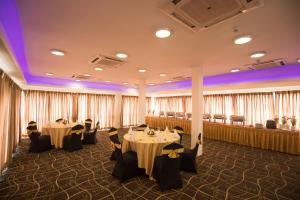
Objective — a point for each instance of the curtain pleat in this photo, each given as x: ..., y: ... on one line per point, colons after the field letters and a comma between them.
x: 129, y: 109
x: 10, y: 102
x: 45, y: 107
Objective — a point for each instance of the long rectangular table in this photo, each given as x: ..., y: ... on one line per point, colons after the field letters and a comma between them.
x: 272, y: 139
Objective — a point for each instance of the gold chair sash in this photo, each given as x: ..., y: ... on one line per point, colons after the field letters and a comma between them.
x: 76, y: 131
x: 113, y: 133
x: 199, y: 142
x: 140, y: 129
x: 115, y: 145
x: 172, y: 153
x: 32, y: 124
x: 31, y: 131
x: 179, y: 131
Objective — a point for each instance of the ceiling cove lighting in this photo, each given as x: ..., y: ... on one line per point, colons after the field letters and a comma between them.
x: 121, y: 55
x: 258, y: 54
x: 163, y: 33
x: 235, y: 70
x: 162, y: 75
x: 98, y: 69
x: 49, y: 74
x: 243, y: 39
x: 57, y: 52
x: 142, y: 70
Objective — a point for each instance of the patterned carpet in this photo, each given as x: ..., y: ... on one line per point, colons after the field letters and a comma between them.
x: 225, y: 171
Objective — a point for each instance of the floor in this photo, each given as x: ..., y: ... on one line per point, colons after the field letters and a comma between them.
x: 225, y: 171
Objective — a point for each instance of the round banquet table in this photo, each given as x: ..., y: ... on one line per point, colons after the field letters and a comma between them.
x: 147, y: 147
x: 57, y: 131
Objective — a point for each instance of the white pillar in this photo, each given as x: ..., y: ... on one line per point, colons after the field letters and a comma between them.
x: 197, y: 107
x: 117, y: 110
x: 142, y: 102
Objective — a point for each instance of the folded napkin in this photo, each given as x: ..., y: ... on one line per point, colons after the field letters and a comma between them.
x: 167, y: 130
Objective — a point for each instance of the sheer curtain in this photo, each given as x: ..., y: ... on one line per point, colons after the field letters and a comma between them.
x: 96, y: 107
x: 45, y: 107
x: 172, y: 104
x: 129, y: 115
x: 10, y: 101
x: 218, y: 104
x: 288, y: 104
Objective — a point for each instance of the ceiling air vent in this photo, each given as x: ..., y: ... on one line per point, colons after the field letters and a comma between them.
x: 106, y: 61
x: 80, y: 77
x: 200, y: 14
x: 267, y: 64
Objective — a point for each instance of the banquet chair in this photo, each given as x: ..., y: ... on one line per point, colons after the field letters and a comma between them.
x: 38, y: 142
x: 188, y: 161
x: 72, y: 142
x: 88, y: 124
x: 59, y: 120
x: 126, y: 166
x: 141, y: 127
x: 180, y: 131
x: 114, y: 138
x: 167, y: 167
x: 89, y: 137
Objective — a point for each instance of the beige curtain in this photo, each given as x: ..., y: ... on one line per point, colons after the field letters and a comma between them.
x: 129, y: 115
x: 288, y: 104
x: 10, y: 102
x: 148, y: 106
x: 172, y: 104
x: 45, y: 107
x: 96, y: 107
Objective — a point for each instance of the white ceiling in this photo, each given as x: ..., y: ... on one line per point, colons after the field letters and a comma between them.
x: 86, y: 28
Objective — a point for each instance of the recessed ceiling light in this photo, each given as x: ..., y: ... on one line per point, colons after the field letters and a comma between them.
x: 57, y: 52
x: 125, y: 83
x: 107, y: 81
x: 142, y: 70
x: 49, y: 74
x: 98, y: 69
x: 163, y: 33
x: 121, y: 55
x: 162, y: 75
x: 298, y: 60
x: 151, y: 84
x: 87, y: 75
x: 243, y: 39
x: 235, y: 70
x: 77, y: 80
x: 169, y: 81
x: 258, y: 54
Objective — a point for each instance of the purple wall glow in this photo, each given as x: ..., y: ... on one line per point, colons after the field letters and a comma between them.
x: 13, y: 33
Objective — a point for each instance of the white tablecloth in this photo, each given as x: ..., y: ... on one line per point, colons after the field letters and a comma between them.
x: 147, y: 147
x: 57, y: 131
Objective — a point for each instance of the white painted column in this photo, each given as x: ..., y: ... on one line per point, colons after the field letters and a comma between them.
x: 197, y: 107
x: 142, y: 102
x: 117, y: 110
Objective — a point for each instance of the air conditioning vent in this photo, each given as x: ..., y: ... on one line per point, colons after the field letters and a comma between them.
x: 200, y: 14
x: 106, y: 61
x: 80, y: 77
x: 266, y: 64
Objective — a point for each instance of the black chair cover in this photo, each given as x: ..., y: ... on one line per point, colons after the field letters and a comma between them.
x: 59, y: 120
x: 72, y: 142
x: 88, y: 125
x: 167, y: 167
x: 180, y: 131
x: 90, y: 136
x: 38, y: 143
x: 188, y: 162
x: 126, y: 166
x: 114, y: 138
x: 141, y: 127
